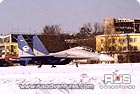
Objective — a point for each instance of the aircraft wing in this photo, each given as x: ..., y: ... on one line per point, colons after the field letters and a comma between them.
x: 66, y: 55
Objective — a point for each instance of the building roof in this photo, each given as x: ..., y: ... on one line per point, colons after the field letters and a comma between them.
x: 129, y: 34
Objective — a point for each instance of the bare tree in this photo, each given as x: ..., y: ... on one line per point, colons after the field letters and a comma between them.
x: 51, y: 30
x: 85, y: 31
x: 98, y: 27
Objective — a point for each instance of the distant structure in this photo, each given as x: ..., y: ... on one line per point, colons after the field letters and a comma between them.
x: 121, y: 25
x: 9, y: 45
x: 121, y: 39
x: 126, y: 47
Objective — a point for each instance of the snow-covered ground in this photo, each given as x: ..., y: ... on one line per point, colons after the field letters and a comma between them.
x: 13, y: 78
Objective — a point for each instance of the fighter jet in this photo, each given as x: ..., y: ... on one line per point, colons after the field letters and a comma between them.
x: 40, y: 53
x: 66, y: 56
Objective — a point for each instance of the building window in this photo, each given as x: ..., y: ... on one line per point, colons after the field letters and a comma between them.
x: 131, y: 40
x: 122, y: 40
x: 113, y: 48
x: 1, y: 41
x: 11, y: 48
x: 135, y: 39
x: 7, y: 47
x: 135, y: 48
x: 109, y: 48
x: 6, y: 40
x: 109, y: 40
x: 102, y: 49
x: 15, y: 53
x: 113, y: 40
x: 120, y: 48
x: 130, y: 47
x: 124, y: 48
x: 102, y: 41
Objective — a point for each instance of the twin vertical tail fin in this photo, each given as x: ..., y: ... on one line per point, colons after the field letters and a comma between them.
x: 23, y: 47
x: 38, y: 47
x: 25, y: 50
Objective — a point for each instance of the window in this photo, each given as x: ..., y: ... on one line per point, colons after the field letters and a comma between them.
x: 113, y: 40
x: 124, y: 48
x: 12, y: 48
x: 113, y: 48
x: 120, y: 48
x: 6, y: 40
x: 102, y: 49
x: 130, y: 47
x: 122, y: 40
x: 7, y: 47
x: 109, y: 40
x: 135, y: 39
x: 135, y: 48
x: 102, y: 40
x: 1, y: 41
x: 131, y: 40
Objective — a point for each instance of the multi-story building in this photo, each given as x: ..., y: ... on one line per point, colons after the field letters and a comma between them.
x: 9, y: 45
x: 125, y: 46
x: 121, y: 39
x: 121, y: 25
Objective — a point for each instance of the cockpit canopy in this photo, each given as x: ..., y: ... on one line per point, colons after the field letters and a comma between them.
x: 86, y: 48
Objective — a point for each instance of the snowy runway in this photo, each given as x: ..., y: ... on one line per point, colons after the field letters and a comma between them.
x: 11, y: 77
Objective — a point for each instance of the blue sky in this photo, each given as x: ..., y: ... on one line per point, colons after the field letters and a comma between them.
x: 33, y: 15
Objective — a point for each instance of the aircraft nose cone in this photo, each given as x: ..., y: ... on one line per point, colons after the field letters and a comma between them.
x: 104, y: 57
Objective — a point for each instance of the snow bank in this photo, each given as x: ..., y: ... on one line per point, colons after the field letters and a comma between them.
x: 12, y: 77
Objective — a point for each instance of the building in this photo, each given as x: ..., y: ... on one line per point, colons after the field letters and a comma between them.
x: 121, y: 39
x: 9, y: 45
x: 126, y: 47
x: 121, y: 25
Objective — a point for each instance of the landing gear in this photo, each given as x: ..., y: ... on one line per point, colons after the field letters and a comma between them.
x: 53, y: 66
x: 76, y: 64
x: 40, y: 65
